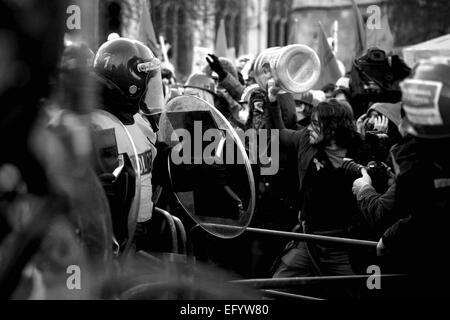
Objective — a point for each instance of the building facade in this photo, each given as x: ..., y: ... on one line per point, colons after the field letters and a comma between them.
x: 308, y: 13
x: 253, y: 25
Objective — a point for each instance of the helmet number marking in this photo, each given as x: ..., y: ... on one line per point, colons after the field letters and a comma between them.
x: 107, y: 58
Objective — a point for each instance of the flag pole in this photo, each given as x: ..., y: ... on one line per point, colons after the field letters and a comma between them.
x: 163, y: 48
x: 335, y: 37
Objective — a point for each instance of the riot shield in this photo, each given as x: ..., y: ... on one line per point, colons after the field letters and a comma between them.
x: 209, y: 170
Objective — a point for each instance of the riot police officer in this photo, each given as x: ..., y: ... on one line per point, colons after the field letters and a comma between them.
x: 128, y: 75
x: 417, y: 244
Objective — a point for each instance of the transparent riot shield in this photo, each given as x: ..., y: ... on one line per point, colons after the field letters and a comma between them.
x: 209, y: 169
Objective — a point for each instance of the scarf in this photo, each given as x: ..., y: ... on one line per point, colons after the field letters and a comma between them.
x: 336, y: 156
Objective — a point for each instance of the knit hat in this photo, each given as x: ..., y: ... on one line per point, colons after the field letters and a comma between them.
x: 312, y: 97
x: 305, y: 97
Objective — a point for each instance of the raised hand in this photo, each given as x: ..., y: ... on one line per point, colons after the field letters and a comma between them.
x: 272, y: 89
x: 365, y: 180
x: 381, y: 124
x: 361, y: 124
x: 216, y: 66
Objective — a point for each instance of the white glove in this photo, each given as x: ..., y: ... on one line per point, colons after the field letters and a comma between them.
x: 358, y: 184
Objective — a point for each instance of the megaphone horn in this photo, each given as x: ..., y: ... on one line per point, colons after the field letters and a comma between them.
x: 296, y: 67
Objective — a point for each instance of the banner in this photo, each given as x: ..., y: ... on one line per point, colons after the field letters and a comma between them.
x: 435, y: 47
x: 330, y: 71
x: 221, y: 41
x: 146, y: 31
x: 360, y: 45
x: 382, y: 37
x: 293, y: 32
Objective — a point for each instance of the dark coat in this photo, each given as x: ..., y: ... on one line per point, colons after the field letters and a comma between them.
x: 298, y: 141
x: 233, y: 86
x: 377, y: 209
x: 419, y: 242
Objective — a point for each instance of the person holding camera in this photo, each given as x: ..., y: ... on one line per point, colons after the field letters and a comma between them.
x: 377, y: 202
x: 382, y: 118
x: 327, y: 205
x: 377, y: 208
x: 416, y: 245
x: 380, y: 127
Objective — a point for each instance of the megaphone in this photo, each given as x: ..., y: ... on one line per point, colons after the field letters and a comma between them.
x: 296, y: 68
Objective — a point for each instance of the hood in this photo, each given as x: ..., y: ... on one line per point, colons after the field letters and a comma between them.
x: 389, y: 110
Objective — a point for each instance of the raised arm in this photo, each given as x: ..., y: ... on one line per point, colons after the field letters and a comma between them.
x: 274, y: 120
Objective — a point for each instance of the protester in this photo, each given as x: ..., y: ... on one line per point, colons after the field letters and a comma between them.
x: 376, y: 207
x: 328, y: 90
x: 227, y: 73
x: 324, y: 187
x: 383, y: 117
x: 202, y: 86
x: 303, y: 108
x: 253, y: 99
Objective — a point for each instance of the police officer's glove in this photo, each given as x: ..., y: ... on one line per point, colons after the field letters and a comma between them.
x: 160, y: 172
x: 107, y: 180
x: 216, y: 66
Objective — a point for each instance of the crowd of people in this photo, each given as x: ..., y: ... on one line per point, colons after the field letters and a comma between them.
x: 363, y: 158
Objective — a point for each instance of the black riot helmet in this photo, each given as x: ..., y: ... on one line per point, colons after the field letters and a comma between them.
x: 128, y: 67
x: 426, y: 99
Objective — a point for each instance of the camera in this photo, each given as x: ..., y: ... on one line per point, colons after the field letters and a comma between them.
x: 379, y: 146
x: 374, y: 78
x: 378, y: 172
x: 375, y: 54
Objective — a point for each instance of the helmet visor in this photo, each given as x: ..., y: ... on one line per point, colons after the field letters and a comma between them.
x: 154, y: 95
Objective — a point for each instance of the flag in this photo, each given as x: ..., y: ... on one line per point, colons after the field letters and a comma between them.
x: 330, y: 72
x: 381, y: 38
x: 146, y: 31
x: 293, y: 33
x: 231, y: 54
x: 241, y: 49
x: 221, y: 41
x: 360, y: 32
